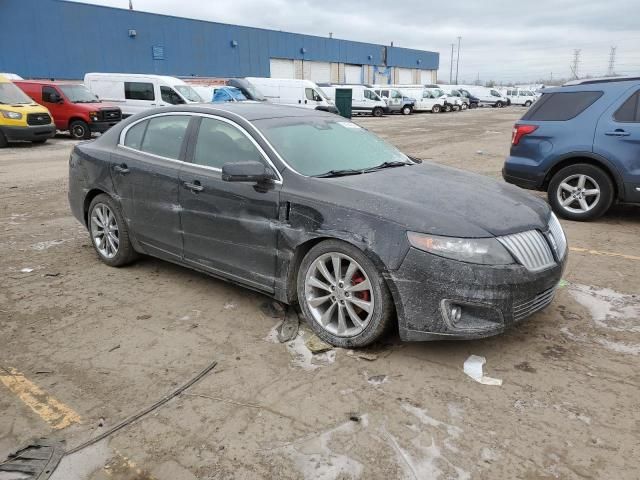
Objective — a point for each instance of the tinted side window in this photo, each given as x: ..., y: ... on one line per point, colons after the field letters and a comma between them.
x: 219, y: 143
x: 630, y: 110
x: 169, y: 95
x: 48, y: 93
x: 561, y: 106
x: 165, y: 134
x: 138, y: 91
x: 135, y: 134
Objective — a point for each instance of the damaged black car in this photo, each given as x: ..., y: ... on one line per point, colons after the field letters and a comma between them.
x: 313, y: 210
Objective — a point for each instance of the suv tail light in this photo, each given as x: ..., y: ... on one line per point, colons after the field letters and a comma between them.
x: 520, y: 131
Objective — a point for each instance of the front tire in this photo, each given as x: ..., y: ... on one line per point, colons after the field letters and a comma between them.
x: 580, y: 192
x: 447, y: 108
x: 79, y: 130
x: 464, y: 106
x: 435, y: 109
x: 499, y: 104
x: 109, y: 232
x: 406, y: 110
x: 342, y: 295
x: 527, y: 103
x: 377, y: 112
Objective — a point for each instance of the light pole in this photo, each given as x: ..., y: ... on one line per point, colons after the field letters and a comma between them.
x: 451, y: 66
x: 458, y: 60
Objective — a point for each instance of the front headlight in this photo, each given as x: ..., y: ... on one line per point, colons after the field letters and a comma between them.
x: 485, y: 251
x: 93, y: 116
x: 11, y: 115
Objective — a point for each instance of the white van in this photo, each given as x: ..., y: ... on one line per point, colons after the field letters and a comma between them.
x: 487, y: 96
x: 300, y: 93
x: 397, y: 101
x: 11, y: 76
x: 518, y: 96
x: 134, y: 93
x: 363, y: 99
x: 426, y: 100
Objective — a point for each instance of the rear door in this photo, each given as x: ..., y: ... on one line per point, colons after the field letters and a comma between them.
x: 140, y: 95
x: 228, y: 227
x: 145, y: 176
x: 617, y: 139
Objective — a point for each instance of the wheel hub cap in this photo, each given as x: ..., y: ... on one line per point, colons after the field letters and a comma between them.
x: 578, y: 193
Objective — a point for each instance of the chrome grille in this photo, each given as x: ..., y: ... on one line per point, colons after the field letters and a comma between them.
x: 558, y: 236
x: 530, y: 248
x: 524, y: 309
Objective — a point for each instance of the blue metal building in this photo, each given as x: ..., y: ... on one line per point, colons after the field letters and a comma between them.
x: 64, y: 40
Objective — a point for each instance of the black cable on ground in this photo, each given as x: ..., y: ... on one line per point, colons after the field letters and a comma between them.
x: 142, y: 413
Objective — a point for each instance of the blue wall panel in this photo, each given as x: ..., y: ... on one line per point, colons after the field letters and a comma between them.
x: 59, y: 39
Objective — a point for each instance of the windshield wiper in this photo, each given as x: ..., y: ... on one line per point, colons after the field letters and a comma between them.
x: 386, y: 165
x: 339, y: 173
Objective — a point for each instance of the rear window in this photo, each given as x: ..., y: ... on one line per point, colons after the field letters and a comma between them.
x: 630, y: 110
x: 561, y: 105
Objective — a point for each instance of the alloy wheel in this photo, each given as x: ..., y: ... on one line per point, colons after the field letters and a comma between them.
x: 578, y: 193
x: 339, y: 294
x: 104, y: 230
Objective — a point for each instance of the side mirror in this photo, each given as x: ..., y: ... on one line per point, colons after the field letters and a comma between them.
x: 251, y: 171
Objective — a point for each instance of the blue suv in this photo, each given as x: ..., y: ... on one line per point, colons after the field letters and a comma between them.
x: 581, y: 144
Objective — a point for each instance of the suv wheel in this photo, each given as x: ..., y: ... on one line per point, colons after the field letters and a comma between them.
x: 343, y: 297
x: 406, y: 110
x: 79, y: 130
x: 580, y: 192
x: 435, y: 109
x: 109, y: 232
x: 377, y: 112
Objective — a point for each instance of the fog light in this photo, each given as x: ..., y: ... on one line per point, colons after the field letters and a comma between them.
x: 455, y: 313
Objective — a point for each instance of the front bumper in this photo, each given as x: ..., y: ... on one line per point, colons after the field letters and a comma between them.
x: 28, y: 133
x: 101, y: 127
x: 492, y: 298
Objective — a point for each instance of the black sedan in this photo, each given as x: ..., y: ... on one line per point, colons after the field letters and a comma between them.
x: 314, y: 210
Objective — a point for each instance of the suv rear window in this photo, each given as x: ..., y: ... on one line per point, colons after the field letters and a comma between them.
x: 561, y: 105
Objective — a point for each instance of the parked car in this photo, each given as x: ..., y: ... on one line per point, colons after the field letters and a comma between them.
x: 396, y: 101
x: 300, y: 93
x: 472, y: 100
x: 312, y: 209
x: 363, y: 99
x: 581, y: 144
x: 460, y: 101
x: 21, y: 118
x: 518, y: 96
x: 425, y: 100
x: 135, y: 93
x: 451, y: 103
x: 73, y: 106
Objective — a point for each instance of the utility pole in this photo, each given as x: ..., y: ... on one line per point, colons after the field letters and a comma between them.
x: 451, y: 67
x: 458, y: 60
x: 551, y: 78
x: 478, y: 79
x: 575, y: 63
x: 612, y: 62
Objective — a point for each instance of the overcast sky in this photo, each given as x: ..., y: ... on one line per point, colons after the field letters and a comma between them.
x: 501, y: 40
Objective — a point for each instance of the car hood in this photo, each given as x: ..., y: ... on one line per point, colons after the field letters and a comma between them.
x: 431, y: 198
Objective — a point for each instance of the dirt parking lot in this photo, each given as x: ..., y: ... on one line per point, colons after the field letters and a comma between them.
x: 83, y: 346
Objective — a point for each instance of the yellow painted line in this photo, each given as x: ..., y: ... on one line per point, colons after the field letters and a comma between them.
x: 604, y: 254
x: 52, y: 411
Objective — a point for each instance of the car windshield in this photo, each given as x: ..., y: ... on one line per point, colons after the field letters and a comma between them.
x: 78, y: 94
x: 188, y: 93
x: 236, y: 93
x: 10, y: 94
x: 317, y: 145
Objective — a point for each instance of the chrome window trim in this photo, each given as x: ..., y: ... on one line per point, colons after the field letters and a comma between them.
x: 124, y: 132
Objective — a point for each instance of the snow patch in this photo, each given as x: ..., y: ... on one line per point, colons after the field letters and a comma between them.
x: 608, y: 308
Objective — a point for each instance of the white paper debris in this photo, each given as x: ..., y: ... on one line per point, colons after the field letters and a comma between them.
x: 473, y: 368
x: 27, y: 270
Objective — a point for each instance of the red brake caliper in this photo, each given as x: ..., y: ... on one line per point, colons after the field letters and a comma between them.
x: 364, y: 295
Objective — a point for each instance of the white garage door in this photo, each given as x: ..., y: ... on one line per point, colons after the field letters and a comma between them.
x: 317, y: 71
x: 425, y: 77
x: 405, y: 76
x: 281, y: 68
x: 353, y: 74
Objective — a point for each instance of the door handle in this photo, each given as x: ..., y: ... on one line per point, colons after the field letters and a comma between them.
x: 195, y: 187
x: 618, y: 132
x: 122, y: 169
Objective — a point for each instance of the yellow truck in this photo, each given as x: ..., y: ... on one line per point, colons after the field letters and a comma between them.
x: 21, y: 118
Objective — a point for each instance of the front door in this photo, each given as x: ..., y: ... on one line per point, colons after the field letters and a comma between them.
x: 617, y: 138
x: 54, y: 101
x: 145, y: 176
x: 230, y: 228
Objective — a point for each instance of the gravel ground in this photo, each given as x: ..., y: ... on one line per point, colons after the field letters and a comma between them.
x: 105, y: 343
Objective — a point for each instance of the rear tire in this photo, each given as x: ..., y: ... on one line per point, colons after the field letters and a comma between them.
x: 377, y: 112
x: 447, y: 108
x: 79, y: 130
x: 581, y: 192
x: 499, y: 104
x: 435, y: 109
x: 323, y: 298
x: 464, y: 106
x: 527, y: 103
x: 109, y: 232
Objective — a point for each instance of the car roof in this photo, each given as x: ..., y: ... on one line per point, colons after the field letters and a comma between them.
x: 250, y: 111
x: 591, y: 86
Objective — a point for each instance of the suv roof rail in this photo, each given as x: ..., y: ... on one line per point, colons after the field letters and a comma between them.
x: 588, y: 81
